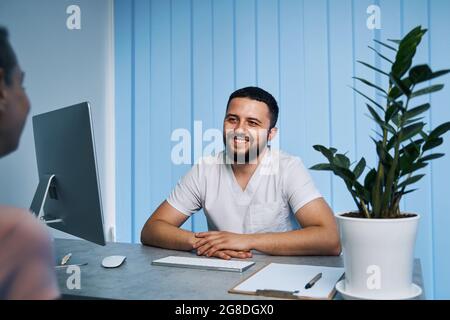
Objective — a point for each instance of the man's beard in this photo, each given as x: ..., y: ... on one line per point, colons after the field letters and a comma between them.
x: 249, y: 157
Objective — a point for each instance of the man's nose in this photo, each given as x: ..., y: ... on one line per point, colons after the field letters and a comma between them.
x: 240, y: 127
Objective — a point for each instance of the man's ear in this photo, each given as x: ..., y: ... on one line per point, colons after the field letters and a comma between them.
x: 272, y: 133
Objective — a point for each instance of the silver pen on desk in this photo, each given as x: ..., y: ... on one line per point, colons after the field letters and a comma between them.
x: 69, y: 265
x: 65, y: 259
x: 313, y: 281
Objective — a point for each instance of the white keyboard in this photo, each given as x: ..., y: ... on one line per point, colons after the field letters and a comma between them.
x: 204, y: 263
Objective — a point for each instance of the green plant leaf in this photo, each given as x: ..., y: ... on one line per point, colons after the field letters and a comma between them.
x: 410, y: 121
x: 427, y: 90
x: 410, y: 131
x: 359, y: 168
x: 370, y: 84
x: 383, y: 153
x: 374, y: 114
x: 381, y: 56
x: 438, y: 74
x: 400, y: 85
x: 345, y: 174
x: 422, y: 73
x: 424, y: 135
x: 412, y: 148
x: 411, y: 151
x: 432, y: 157
x: 432, y: 143
x: 414, y: 167
x: 342, y: 161
x: 406, y: 51
x: 415, y: 111
x: 395, y: 92
x: 419, y: 73
x: 388, y: 127
x: 410, y: 180
x: 322, y: 167
x: 325, y: 151
x: 385, y: 45
x: 440, y: 130
x: 393, y: 109
x: 369, y: 180
x: 409, y: 191
x: 371, y: 100
x: 406, y: 161
x: 372, y: 67
x: 394, y: 41
x: 403, y: 60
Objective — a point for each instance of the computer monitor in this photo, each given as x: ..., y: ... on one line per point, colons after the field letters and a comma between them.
x: 68, y: 194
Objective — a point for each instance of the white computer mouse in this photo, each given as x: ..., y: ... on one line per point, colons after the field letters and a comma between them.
x: 113, y: 261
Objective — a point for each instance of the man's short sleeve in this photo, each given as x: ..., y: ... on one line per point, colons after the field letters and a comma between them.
x: 299, y: 186
x: 186, y: 196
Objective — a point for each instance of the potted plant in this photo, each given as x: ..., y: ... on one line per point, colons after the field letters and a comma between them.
x: 378, y: 238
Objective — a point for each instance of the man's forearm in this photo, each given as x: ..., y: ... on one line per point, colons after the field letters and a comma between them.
x: 162, y: 234
x: 308, y: 241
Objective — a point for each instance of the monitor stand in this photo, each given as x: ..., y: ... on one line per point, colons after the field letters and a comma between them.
x: 46, y: 187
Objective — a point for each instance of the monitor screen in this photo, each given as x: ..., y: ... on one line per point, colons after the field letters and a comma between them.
x: 65, y: 150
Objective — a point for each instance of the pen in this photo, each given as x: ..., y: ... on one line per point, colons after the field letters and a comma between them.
x: 70, y: 265
x: 313, y: 281
x: 65, y: 259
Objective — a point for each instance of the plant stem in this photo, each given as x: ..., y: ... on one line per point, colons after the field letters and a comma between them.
x: 380, y: 172
x: 389, y: 187
x: 393, y: 205
x: 366, y: 212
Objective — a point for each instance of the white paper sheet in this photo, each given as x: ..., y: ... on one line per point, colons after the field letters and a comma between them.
x: 288, y: 277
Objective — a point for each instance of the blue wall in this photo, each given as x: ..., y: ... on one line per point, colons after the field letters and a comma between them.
x: 177, y: 61
x: 63, y: 67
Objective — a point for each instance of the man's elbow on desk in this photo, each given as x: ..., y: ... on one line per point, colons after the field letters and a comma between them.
x: 334, y: 246
x: 330, y: 240
x: 146, y: 238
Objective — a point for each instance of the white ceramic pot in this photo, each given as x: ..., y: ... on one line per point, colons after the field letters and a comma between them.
x: 378, y: 256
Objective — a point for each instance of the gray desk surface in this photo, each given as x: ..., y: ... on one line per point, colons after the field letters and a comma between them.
x: 138, y: 279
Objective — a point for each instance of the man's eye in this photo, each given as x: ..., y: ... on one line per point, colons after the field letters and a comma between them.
x: 252, y: 123
x: 231, y: 120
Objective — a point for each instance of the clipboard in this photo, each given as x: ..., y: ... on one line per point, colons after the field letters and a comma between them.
x: 287, y: 281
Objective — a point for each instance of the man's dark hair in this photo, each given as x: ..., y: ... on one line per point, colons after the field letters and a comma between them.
x: 8, y: 60
x: 258, y: 94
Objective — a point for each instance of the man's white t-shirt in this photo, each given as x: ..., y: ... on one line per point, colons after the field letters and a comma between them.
x: 278, y: 188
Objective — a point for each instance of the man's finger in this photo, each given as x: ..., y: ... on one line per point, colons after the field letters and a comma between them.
x: 222, y: 255
x: 205, y: 234
x: 214, y: 248
x: 204, y: 248
x: 200, y: 243
x: 205, y: 240
x: 235, y: 254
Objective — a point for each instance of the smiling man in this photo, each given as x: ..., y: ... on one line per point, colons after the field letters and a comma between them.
x: 249, y: 194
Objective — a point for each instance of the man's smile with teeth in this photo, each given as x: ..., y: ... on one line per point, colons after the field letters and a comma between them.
x: 241, y: 139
